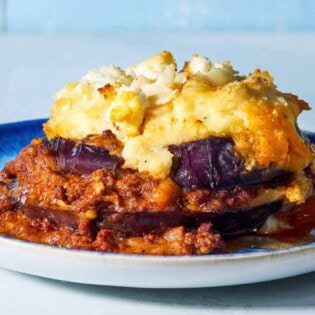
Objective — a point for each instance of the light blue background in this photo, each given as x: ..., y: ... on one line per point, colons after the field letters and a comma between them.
x: 73, y: 16
x: 38, y: 57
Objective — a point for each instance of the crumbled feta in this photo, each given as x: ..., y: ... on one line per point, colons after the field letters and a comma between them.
x: 112, y: 75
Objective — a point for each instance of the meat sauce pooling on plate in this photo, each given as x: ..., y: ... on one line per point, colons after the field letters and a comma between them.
x: 152, y: 160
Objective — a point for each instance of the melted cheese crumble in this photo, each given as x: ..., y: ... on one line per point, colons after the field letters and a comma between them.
x: 151, y: 105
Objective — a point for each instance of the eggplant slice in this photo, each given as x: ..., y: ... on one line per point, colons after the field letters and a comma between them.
x: 57, y: 217
x: 207, y: 163
x: 227, y: 223
x: 81, y: 158
x: 213, y: 163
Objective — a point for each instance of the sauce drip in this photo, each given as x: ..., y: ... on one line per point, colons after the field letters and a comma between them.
x: 298, y: 224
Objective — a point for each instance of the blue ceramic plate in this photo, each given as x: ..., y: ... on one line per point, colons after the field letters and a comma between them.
x: 247, y: 266
x: 17, y: 135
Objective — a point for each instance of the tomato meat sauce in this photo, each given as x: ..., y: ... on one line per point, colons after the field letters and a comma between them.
x: 126, y: 211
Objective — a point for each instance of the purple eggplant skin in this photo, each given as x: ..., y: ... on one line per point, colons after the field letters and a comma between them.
x: 209, y: 162
x: 81, y: 158
x: 213, y: 163
x: 227, y: 223
x: 57, y: 217
x: 231, y: 222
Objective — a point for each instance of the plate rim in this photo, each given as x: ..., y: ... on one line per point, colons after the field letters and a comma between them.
x: 257, y: 254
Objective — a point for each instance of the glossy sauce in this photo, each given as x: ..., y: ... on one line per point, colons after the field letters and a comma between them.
x: 301, y: 219
x: 299, y: 223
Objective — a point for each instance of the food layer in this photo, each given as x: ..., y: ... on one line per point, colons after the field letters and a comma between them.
x: 158, y: 161
x: 151, y: 105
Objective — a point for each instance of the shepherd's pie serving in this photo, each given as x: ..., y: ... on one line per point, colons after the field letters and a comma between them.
x: 151, y: 160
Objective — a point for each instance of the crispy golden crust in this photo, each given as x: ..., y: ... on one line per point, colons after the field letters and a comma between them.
x: 158, y: 106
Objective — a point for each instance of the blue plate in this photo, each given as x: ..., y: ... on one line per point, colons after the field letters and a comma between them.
x: 17, y: 135
x: 171, y: 270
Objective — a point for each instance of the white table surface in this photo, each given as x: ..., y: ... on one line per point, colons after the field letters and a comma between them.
x: 33, y: 68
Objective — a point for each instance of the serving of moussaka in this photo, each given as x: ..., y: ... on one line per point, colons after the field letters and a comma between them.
x: 159, y: 161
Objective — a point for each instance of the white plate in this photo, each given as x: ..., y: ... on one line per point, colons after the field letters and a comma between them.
x: 154, y: 271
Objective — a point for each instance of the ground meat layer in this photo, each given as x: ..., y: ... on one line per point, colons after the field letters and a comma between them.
x: 36, y: 180
x: 41, y: 203
x: 175, y: 241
